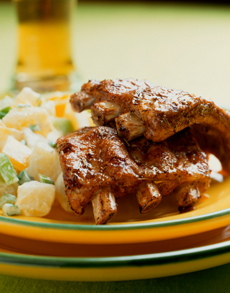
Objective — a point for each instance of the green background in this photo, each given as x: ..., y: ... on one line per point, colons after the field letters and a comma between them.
x: 207, y: 281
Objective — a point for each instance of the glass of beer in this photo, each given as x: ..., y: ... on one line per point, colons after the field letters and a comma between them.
x: 44, y: 60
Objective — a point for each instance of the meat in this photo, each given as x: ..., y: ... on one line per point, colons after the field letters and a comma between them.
x: 212, y: 142
x: 176, y: 165
x: 141, y: 108
x: 96, y: 167
x: 99, y: 166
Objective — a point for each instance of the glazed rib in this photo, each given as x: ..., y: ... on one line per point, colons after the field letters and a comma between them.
x: 99, y: 166
x: 182, y: 162
x: 96, y: 167
x: 162, y: 111
x: 94, y: 159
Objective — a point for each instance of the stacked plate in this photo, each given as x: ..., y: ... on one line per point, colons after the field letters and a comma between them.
x: 64, y: 246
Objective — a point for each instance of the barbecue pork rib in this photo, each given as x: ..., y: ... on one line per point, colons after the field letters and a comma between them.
x: 182, y: 162
x: 141, y: 108
x: 96, y: 166
x: 99, y: 166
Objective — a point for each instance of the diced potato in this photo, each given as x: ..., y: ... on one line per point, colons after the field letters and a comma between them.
x: 53, y: 135
x: 71, y: 115
x: 26, y: 116
x: 44, y: 160
x: 78, y: 120
x: 5, y: 132
x: 84, y: 119
x: 33, y: 138
x: 49, y: 106
x: 27, y: 96
x: 60, y: 194
x: 17, y: 152
x: 35, y: 198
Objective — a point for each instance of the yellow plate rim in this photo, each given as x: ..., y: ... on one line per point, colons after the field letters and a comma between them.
x: 117, y: 227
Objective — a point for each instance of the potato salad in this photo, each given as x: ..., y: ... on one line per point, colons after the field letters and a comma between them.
x: 30, y: 172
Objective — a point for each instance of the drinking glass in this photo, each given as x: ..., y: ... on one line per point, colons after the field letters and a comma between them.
x: 44, y: 59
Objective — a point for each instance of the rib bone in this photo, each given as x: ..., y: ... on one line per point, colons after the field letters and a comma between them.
x: 104, y: 205
x: 80, y: 104
x: 148, y: 197
x: 187, y: 195
x: 129, y: 126
x: 104, y: 112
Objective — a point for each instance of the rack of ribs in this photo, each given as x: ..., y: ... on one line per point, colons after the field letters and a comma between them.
x: 99, y: 166
x: 140, y: 108
x: 182, y: 162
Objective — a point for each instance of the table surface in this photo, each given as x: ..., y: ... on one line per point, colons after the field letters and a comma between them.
x: 184, y: 47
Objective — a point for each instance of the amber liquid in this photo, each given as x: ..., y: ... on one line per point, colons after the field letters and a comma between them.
x: 44, y: 44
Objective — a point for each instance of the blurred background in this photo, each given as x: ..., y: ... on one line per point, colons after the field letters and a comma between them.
x: 183, y: 44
